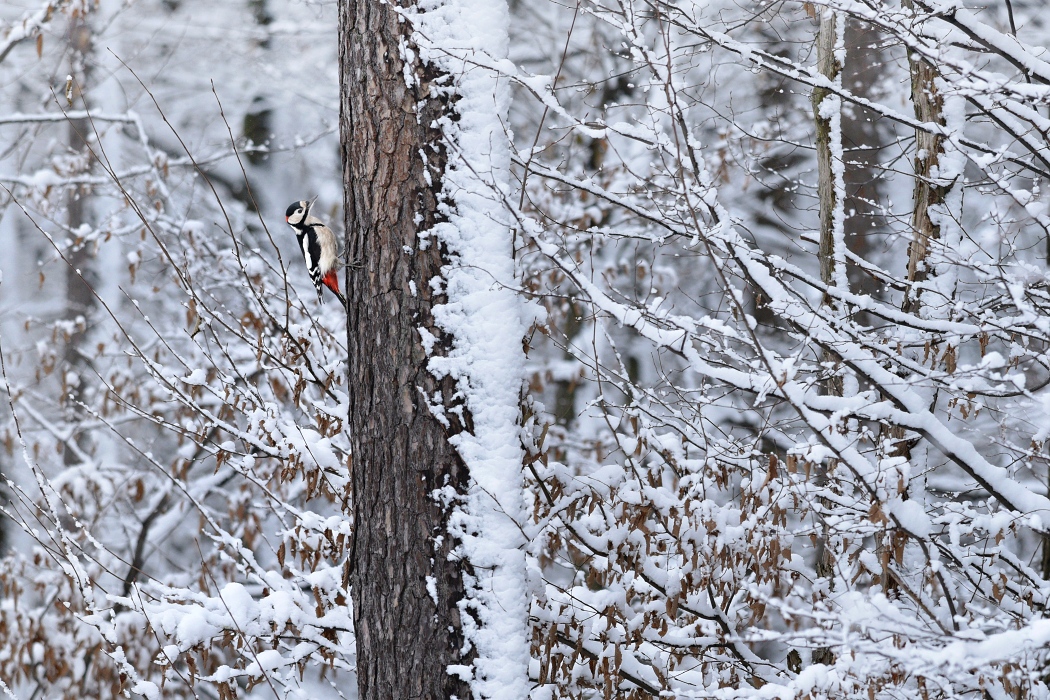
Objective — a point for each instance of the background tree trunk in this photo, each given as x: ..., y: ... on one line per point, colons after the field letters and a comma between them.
x: 401, y: 453
x: 928, y: 193
x: 829, y: 196
x: 81, y: 277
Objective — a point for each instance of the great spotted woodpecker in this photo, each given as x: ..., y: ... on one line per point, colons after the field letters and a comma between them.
x: 318, y: 245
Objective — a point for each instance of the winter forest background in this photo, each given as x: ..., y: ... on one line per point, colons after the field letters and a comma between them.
x: 742, y: 327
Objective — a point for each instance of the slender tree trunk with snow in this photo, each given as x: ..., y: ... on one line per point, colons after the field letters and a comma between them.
x: 825, y: 114
x: 80, y: 273
x: 928, y: 193
x: 830, y: 251
x: 829, y: 67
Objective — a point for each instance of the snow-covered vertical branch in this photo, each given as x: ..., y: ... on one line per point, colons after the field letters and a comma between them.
x: 933, y: 178
x: 831, y: 188
x: 931, y: 186
x: 831, y: 253
x: 484, y: 316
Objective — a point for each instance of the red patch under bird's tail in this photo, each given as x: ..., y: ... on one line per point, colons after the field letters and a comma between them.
x: 332, y: 282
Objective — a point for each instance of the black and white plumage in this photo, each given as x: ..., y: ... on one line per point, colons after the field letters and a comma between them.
x: 319, y: 248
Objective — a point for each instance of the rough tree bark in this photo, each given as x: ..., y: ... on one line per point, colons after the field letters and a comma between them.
x: 406, y: 639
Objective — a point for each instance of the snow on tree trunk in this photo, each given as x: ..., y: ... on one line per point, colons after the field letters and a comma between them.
x: 831, y: 254
x: 827, y: 111
x: 929, y: 192
x: 434, y: 340
x: 485, y: 319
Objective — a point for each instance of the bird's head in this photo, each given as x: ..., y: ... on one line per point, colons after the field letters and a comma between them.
x: 297, y: 212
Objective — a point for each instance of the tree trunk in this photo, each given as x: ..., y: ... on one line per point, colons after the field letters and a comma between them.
x: 830, y: 205
x: 405, y: 587
x: 828, y: 194
x: 927, y: 194
x: 828, y: 197
x: 865, y: 222
x: 81, y: 278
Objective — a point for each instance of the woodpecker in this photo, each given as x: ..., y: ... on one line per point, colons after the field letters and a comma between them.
x: 318, y: 245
